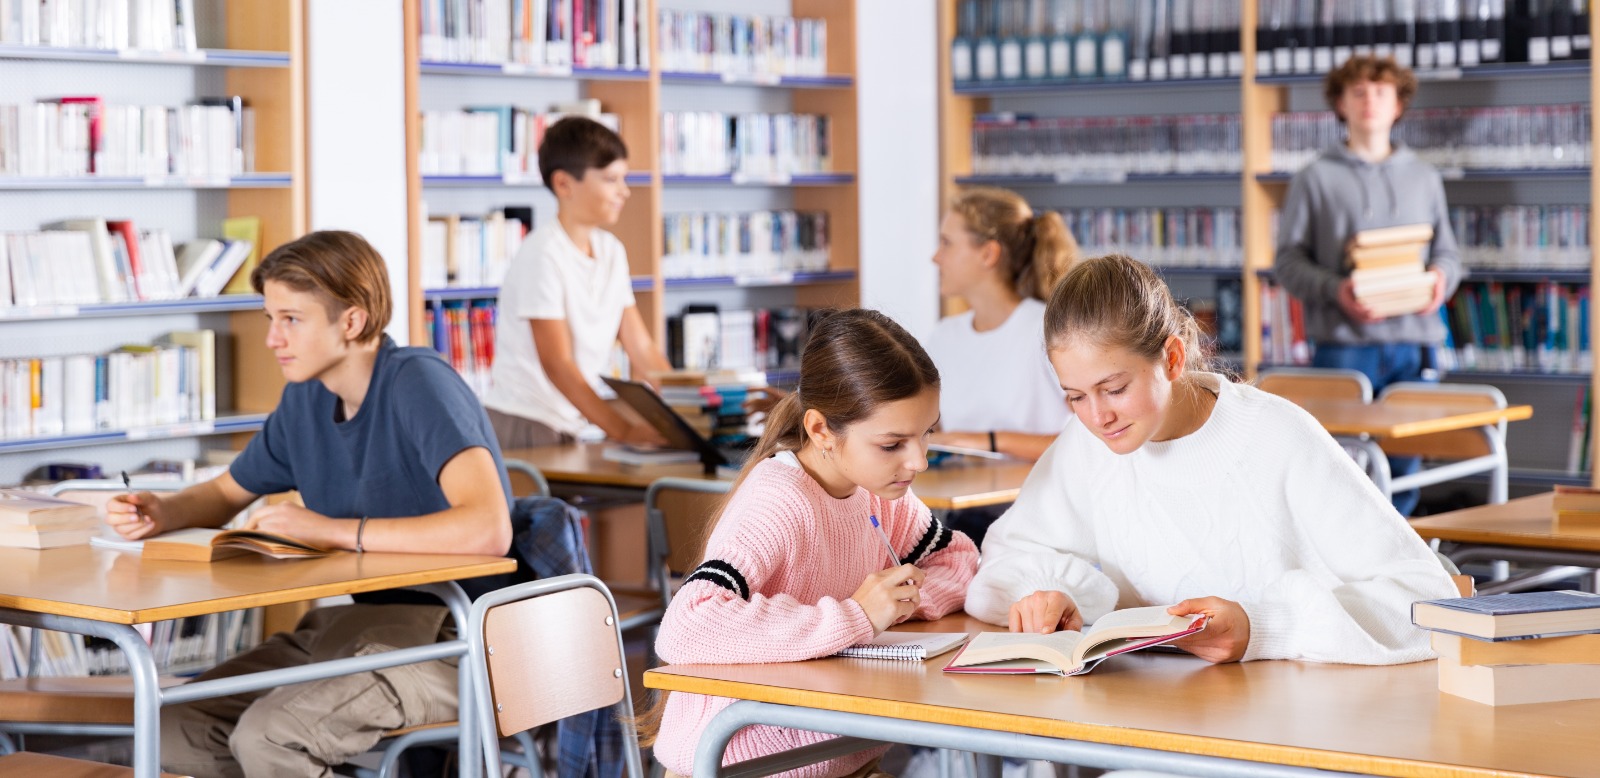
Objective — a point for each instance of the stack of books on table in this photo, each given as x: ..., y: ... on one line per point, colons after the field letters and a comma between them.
x: 1513, y: 649
x: 712, y: 402
x: 34, y: 520
x: 1576, y: 507
x: 1387, y: 269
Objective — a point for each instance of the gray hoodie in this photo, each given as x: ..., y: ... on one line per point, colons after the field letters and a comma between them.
x: 1337, y: 196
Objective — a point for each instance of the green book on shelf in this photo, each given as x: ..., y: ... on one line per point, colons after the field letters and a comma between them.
x: 246, y: 228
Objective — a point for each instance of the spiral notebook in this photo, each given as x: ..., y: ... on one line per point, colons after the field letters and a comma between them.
x: 911, y: 646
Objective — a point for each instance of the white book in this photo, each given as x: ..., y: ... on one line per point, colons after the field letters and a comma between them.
x: 194, y: 261
x: 78, y: 386
x: 103, y: 255
x: 5, y: 271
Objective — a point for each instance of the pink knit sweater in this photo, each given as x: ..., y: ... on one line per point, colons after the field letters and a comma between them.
x: 775, y: 587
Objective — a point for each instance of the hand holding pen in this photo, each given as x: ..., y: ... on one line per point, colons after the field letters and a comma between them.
x: 133, y: 515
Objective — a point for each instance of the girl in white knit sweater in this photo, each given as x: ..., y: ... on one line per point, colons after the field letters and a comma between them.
x: 1173, y: 485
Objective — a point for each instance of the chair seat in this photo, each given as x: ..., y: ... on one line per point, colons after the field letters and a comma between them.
x: 25, y: 764
x: 104, y: 699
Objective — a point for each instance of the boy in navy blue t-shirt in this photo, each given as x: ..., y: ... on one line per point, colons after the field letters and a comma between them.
x: 390, y: 451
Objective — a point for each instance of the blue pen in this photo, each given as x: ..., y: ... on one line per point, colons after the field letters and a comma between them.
x: 894, y: 559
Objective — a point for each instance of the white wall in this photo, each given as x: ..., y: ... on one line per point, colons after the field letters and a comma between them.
x: 897, y: 81
x: 356, y: 99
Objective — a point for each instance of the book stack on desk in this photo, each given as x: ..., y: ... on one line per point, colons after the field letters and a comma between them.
x: 1387, y: 271
x: 1576, y: 507
x: 712, y: 402
x: 33, y: 520
x: 1513, y: 649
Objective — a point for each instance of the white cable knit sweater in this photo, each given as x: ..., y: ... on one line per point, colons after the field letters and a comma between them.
x: 1259, y: 506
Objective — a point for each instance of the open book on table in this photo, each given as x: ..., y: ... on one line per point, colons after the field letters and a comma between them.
x: 209, y: 545
x: 1071, y: 652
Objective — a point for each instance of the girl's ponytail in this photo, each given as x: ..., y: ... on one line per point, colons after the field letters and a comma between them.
x: 1054, y: 250
x: 1035, y: 248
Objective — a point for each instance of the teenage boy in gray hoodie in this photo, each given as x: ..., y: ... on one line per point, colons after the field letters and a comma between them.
x: 1363, y: 183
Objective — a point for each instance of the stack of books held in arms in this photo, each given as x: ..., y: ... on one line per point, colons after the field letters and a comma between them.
x: 1513, y: 649
x: 1387, y: 269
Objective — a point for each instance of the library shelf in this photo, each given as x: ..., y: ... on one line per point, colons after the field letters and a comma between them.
x: 1492, y: 376
x: 1503, y: 70
x: 1092, y: 178
x: 228, y: 58
x: 461, y: 293
x: 222, y: 304
x: 636, y: 178
x: 1474, y: 174
x: 775, y: 279
x: 1530, y: 275
x: 737, y: 179
x: 521, y: 70
x: 222, y: 425
x: 1061, y: 86
x: 244, y: 181
x: 757, y: 79
x: 1195, y: 271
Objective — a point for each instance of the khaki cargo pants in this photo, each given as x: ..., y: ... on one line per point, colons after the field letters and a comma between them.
x: 305, y: 729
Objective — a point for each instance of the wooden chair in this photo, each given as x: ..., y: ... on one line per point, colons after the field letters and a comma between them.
x: 1316, y: 383
x: 678, y: 511
x: 543, y: 651
x: 1472, y: 450
x: 25, y: 764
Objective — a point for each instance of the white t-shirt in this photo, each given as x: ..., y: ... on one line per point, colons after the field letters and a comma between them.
x: 1000, y: 380
x: 552, y: 278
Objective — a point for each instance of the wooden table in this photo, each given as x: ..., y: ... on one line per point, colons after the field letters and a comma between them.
x: 99, y: 592
x: 969, y: 483
x: 1367, y: 425
x: 1157, y: 711
x: 1522, y: 530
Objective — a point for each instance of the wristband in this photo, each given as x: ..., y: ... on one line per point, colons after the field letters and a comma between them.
x: 992, y: 446
x: 360, y: 528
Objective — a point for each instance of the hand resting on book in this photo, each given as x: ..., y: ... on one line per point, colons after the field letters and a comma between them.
x: 1227, y: 633
x: 1045, y: 612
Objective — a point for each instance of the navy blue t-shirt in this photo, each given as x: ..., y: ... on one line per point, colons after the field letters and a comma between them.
x: 385, y: 462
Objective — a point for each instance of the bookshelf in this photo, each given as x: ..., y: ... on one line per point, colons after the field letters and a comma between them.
x: 639, y: 98
x: 253, y: 49
x: 1258, y: 190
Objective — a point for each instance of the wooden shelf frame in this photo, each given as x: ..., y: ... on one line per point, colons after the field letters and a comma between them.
x: 635, y: 96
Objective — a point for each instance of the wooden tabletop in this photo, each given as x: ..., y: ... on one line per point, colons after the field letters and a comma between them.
x: 1352, y: 417
x: 1378, y: 720
x: 968, y: 483
x: 119, y: 587
x: 1526, y: 521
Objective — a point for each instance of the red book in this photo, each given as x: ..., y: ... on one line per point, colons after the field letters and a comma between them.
x: 96, y: 107
x: 130, y: 239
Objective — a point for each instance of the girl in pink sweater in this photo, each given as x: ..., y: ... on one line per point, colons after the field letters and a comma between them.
x: 793, y: 567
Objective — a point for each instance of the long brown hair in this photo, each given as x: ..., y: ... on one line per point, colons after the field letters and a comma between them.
x: 855, y: 362
x: 1116, y: 301
x: 1035, y: 249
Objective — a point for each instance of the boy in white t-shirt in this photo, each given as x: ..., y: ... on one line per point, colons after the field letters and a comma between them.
x: 567, y: 298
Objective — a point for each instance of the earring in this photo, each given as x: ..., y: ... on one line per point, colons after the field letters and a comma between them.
x: 827, y: 453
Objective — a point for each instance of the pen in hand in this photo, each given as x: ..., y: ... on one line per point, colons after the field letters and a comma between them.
x: 894, y: 559
x: 127, y: 483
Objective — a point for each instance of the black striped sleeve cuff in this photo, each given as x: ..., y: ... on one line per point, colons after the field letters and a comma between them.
x: 935, y: 538
x: 722, y: 574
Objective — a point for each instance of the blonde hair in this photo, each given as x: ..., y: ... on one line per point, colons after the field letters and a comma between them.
x: 1035, y: 249
x: 1116, y: 301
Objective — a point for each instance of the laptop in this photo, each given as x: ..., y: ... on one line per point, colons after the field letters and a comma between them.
x: 655, y: 411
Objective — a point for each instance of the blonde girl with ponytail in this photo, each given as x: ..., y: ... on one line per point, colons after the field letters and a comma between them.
x: 1003, y: 259
x: 822, y: 543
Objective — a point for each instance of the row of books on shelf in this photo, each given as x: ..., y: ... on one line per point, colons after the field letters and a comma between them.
x: 742, y: 44
x: 704, y: 338
x: 159, y: 25
x: 494, y: 139
x: 752, y: 244
x: 96, y: 260
x: 1545, y: 237
x: 179, y: 645
x: 1491, y: 327
x: 1505, y: 137
x: 212, y: 137
x: 1022, y: 144
x: 463, y: 333
x: 1165, y: 237
x: 1032, y: 40
x: 472, y: 251
x: 713, y: 402
x: 1519, y: 648
x: 542, y: 33
x: 1315, y: 36
x: 170, y: 381
x: 714, y: 143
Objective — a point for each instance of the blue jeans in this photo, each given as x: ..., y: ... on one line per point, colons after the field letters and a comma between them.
x: 1384, y: 364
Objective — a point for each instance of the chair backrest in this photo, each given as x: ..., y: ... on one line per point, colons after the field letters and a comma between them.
x: 1316, y: 383
x: 678, y: 511
x: 526, y: 480
x: 1460, y: 444
x: 545, y: 650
